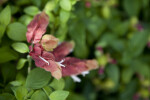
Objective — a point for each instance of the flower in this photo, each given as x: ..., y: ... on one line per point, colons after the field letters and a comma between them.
x: 87, y: 4
x: 101, y: 70
x: 139, y: 27
x: 50, y: 56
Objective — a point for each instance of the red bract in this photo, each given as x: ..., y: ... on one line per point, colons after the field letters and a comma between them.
x: 74, y: 66
x: 37, y: 28
x: 50, y: 56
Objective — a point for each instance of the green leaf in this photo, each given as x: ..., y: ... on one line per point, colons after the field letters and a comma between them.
x: 7, y: 96
x: 132, y: 7
x: 48, y: 90
x: 8, y: 68
x: 126, y: 75
x: 16, y: 83
x: 14, y: 9
x: 141, y: 68
x: 57, y: 84
x: 37, y: 2
x: 21, y: 78
x: 78, y: 33
x: 37, y: 78
x: 21, y: 63
x: 65, y: 4
x: 64, y: 16
x: 22, y: 2
x: 20, y: 47
x: 5, y: 16
x: 20, y: 92
x: 59, y: 95
x: 121, y: 28
x: 39, y: 95
x: 113, y: 73
x: 73, y: 96
x: 137, y: 43
x: 7, y: 54
x: 31, y: 10
x: 50, y: 5
x: 25, y: 19
x: 17, y: 31
x: 95, y: 26
x: 129, y: 91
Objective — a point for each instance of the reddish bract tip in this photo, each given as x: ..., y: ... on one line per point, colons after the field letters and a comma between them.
x: 37, y: 27
x: 76, y: 66
x: 91, y: 64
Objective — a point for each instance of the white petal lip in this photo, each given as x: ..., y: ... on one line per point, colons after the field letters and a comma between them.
x: 75, y: 78
x: 85, y: 73
x: 44, y: 60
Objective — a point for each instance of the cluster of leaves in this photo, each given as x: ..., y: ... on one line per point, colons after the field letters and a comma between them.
x: 119, y: 27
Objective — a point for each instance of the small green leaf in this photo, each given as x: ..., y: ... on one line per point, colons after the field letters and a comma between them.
x: 16, y: 31
x: 20, y: 47
x: 113, y: 73
x: 20, y: 92
x: 50, y: 5
x: 36, y: 2
x: 31, y: 10
x: 65, y: 4
x: 137, y: 43
x: 5, y: 16
x: 16, y: 83
x: 47, y: 89
x: 126, y: 75
x: 37, y: 78
x: 59, y: 95
x: 39, y: 95
x: 57, y: 84
x: 21, y: 63
x: 64, y: 16
x: 25, y: 19
x: 132, y: 7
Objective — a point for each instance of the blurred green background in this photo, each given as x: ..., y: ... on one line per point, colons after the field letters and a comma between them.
x: 114, y: 32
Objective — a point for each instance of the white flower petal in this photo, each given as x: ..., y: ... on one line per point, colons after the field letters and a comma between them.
x: 85, y: 73
x: 75, y: 78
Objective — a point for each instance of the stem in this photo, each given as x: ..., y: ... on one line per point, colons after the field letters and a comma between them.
x: 29, y: 63
x: 46, y: 93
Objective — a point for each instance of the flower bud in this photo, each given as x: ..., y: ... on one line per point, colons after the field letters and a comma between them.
x: 49, y: 42
x: 144, y: 93
x: 102, y: 60
x: 105, y: 12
